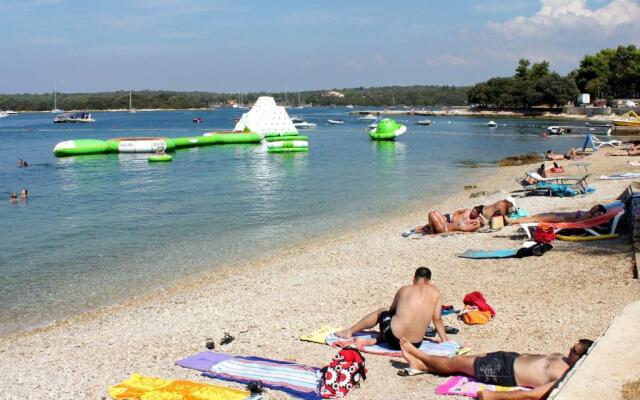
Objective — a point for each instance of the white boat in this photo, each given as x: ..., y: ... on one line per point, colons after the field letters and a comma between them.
x: 425, y: 122
x: 10, y: 112
x: 349, y: 106
x: 55, y: 110
x: 335, y: 121
x: 558, y: 130
x: 131, y: 109
x: 492, y: 124
x: 373, y: 126
x: 73, y: 117
x: 3, y: 114
x: 297, y: 119
x: 305, y: 125
x: 368, y: 117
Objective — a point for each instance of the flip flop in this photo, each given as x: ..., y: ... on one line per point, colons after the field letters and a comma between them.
x: 410, y: 372
x: 226, y: 339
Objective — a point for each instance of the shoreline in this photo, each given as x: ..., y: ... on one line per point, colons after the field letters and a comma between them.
x: 267, y: 303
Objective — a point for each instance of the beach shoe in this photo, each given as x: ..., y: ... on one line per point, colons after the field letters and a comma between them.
x: 449, y: 330
x: 226, y: 339
x: 210, y: 344
x: 408, y: 233
x: 410, y: 372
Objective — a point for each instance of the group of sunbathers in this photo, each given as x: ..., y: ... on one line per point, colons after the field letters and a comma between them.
x: 470, y: 220
x: 416, y: 306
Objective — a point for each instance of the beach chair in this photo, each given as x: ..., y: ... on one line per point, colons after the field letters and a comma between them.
x: 586, y: 226
x: 562, y: 186
x: 595, y: 143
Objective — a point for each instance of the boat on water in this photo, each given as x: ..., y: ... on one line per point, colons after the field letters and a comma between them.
x: 599, y: 124
x: 349, y: 106
x: 9, y: 112
x: 425, y: 122
x: 304, y: 125
x: 197, y: 120
x: 492, y: 124
x: 131, y: 109
x: 368, y: 117
x: 628, y: 119
x: 3, y: 114
x: 558, y: 130
x: 335, y: 121
x: 296, y: 119
x: 73, y: 117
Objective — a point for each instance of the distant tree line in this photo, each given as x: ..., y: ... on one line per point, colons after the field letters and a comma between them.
x: 611, y: 73
x: 415, y: 96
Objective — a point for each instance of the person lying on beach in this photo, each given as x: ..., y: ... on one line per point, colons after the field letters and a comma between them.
x: 413, y: 309
x: 561, y: 216
x: 461, y: 221
x: 537, y: 371
x: 571, y: 154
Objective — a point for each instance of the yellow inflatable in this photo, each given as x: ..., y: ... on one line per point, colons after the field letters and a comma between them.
x: 139, y: 387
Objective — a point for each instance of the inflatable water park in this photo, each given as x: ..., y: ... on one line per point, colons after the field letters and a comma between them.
x: 265, y: 120
x: 387, y: 129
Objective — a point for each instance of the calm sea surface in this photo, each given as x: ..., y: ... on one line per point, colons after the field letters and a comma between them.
x: 99, y: 229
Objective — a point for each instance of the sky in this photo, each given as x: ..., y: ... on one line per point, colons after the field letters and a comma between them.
x: 248, y: 46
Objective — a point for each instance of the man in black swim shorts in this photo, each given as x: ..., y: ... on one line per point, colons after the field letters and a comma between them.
x: 536, y: 371
x: 413, y: 309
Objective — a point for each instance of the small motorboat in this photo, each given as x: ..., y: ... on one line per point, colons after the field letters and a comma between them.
x: 599, y: 125
x: 297, y: 119
x: 492, y: 124
x: 305, y: 125
x: 335, y: 121
x: 558, y: 130
x: 425, y: 122
x: 368, y: 117
x: 349, y: 106
x: 197, y: 120
x: 73, y: 117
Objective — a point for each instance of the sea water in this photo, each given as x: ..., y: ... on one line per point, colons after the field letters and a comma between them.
x: 99, y: 229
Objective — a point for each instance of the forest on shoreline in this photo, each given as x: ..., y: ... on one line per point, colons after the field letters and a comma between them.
x: 609, y: 74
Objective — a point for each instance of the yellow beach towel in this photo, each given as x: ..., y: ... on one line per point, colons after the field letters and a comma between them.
x: 139, y: 387
x: 320, y: 335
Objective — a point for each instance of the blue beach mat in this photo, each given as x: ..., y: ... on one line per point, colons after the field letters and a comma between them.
x: 481, y: 254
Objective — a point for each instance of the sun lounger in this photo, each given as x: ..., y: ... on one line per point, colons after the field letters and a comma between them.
x: 594, y: 143
x: 612, y: 216
x: 535, y: 184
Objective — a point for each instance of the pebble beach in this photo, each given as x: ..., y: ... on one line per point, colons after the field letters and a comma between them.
x: 543, y: 304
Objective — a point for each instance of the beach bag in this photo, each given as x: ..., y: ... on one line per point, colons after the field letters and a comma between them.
x: 345, y: 372
x: 544, y: 233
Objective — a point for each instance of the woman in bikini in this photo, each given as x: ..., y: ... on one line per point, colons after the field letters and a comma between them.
x: 571, y: 154
x: 561, y: 216
x: 460, y: 221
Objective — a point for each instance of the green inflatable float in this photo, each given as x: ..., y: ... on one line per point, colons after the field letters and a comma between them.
x: 387, y: 129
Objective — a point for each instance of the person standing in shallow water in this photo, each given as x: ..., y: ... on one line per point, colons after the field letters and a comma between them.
x: 14, y: 198
x: 24, y: 194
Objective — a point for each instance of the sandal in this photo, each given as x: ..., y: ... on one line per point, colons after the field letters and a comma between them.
x: 226, y: 339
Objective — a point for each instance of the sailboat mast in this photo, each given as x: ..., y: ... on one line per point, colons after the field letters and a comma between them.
x: 129, y: 100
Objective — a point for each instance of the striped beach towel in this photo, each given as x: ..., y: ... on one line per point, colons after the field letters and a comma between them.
x: 298, y: 380
x: 447, y: 349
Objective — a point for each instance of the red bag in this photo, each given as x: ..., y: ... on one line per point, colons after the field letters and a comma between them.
x: 544, y: 233
x: 344, y: 372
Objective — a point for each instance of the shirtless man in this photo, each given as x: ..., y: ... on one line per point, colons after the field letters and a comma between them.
x: 413, y: 309
x: 571, y: 154
x: 561, y: 216
x: 536, y: 371
x: 499, y: 208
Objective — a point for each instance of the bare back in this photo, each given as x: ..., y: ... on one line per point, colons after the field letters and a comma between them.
x: 533, y: 370
x: 415, y: 307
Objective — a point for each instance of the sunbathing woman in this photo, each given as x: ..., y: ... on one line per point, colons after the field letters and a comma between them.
x: 561, y: 216
x: 571, y: 154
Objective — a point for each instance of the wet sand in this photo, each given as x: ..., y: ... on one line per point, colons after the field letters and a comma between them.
x: 543, y: 304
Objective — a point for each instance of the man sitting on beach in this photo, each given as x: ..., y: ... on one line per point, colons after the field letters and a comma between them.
x: 413, y: 309
x: 571, y: 154
x: 536, y: 371
x: 572, y: 216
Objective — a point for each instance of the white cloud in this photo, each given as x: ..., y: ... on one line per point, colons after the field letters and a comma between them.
x: 570, y: 16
